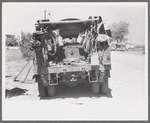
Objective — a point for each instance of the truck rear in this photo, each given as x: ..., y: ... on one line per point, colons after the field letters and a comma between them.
x: 71, y: 51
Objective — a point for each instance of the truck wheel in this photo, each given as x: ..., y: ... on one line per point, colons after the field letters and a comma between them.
x: 51, y: 90
x: 95, y: 87
x: 42, y: 90
x: 104, y: 86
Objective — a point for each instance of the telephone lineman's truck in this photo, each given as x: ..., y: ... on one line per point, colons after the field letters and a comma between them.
x: 71, y: 51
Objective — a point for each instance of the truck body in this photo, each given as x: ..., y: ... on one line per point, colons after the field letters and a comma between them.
x: 69, y: 52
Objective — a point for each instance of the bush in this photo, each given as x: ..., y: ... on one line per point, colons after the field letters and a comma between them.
x: 25, y: 46
x: 119, y: 30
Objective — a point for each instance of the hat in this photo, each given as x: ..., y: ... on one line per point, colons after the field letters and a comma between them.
x: 102, y: 37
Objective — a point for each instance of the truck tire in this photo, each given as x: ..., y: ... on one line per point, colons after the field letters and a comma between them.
x: 104, y: 86
x: 42, y: 90
x: 51, y: 90
x: 95, y: 87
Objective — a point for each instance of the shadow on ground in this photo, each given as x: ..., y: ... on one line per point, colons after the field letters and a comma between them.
x: 79, y: 91
x: 15, y: 92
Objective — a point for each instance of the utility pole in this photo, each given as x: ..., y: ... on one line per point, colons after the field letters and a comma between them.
x: 45, y: 14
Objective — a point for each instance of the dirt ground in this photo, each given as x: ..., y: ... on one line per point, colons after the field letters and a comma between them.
x: 18, y: 88
x: 126, y: 99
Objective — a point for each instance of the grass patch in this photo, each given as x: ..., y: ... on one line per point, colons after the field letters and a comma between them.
x: 13, y: 55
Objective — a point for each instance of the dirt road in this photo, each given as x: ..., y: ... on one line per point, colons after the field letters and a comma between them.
x: 126, y: 98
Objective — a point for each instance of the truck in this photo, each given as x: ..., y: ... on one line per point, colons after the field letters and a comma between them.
x: 69, y: 52
x: 121, y: 47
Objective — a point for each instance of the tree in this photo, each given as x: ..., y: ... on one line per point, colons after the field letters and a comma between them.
x: 25, y: 45
x: 11, y: 41
x: 119, y: 30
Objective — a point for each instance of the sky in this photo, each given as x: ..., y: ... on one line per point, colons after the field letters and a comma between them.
x: 17, y: 17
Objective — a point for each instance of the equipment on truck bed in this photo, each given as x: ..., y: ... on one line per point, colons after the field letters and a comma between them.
x: 71, y: 51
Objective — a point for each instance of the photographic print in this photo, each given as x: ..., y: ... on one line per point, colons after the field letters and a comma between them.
x: 75, y: 61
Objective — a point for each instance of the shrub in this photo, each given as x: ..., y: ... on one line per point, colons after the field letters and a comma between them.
x: 25, y: 46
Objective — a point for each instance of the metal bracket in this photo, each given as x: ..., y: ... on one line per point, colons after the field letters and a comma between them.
x: 64, y: 71
x: 44, y: 81
x: 52, y: 81
x: 90, y: 78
